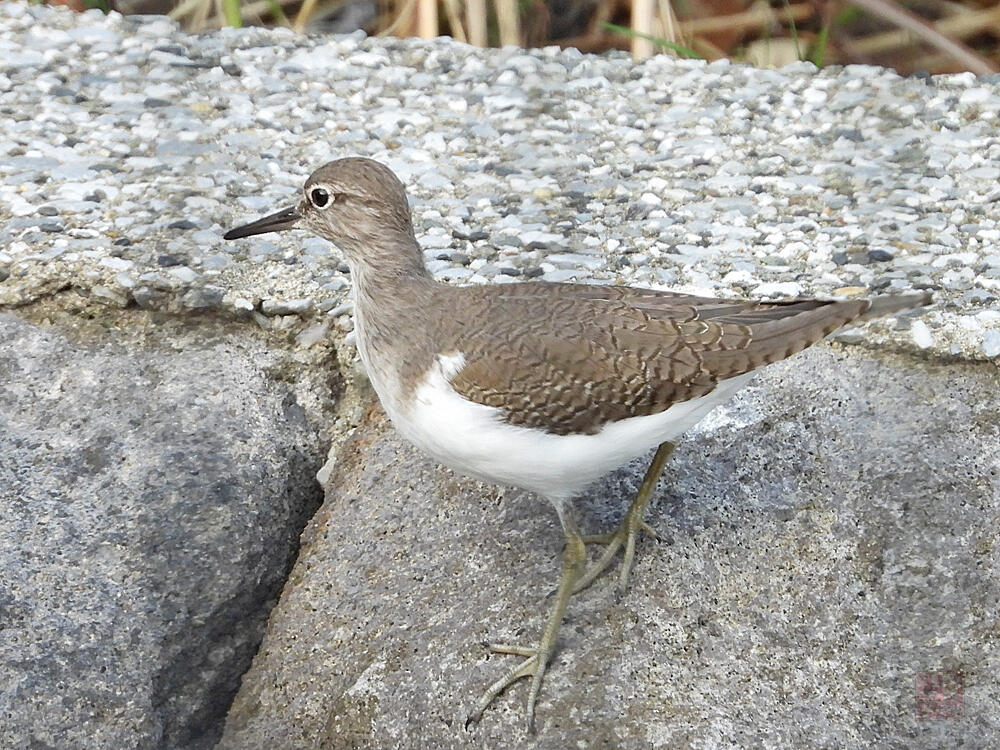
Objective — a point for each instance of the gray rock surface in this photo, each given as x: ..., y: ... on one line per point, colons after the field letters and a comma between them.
x: 155, y: 475
x: 833, y: 531
x: 829, y: 539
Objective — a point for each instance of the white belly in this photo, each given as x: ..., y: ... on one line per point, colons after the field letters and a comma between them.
x: 474, y: 439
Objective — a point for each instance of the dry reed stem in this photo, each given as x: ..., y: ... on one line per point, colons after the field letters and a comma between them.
x: 427, y: 19
x: 304, y: 14
x: 650, y: 17
x: 200, y: 16
x: 668, y: 21
x: 454, y: 13
x: 403, y: 17
x: 508, y: 22
x: 254, y: 11
x: 642, y: 23
x: 757, y: 17
x: 184, y: 9
x: 475, y: 18
x: 923, y: 30
x: 960, y: 26
x: 708, y: 50
x: 602, y: 14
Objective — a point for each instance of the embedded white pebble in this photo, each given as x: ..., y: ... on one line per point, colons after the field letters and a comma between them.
x: 778, y: 289
x: 991, y: 343
x: 921, y: 334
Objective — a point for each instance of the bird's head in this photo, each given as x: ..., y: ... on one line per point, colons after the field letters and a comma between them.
x: 356, y: 203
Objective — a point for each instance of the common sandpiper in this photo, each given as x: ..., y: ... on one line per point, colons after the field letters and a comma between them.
x: 538, y: 385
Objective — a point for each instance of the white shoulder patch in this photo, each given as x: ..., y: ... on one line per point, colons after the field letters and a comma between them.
x: 451, y: 364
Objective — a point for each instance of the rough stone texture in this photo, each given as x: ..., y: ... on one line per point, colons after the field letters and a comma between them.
x: 833, y: 532
x: 155, y: 475
x: 831, y: 535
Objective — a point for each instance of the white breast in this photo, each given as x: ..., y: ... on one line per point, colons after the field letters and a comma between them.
x: 474, y: 439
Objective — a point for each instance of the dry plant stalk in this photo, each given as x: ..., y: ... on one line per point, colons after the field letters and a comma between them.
x: 668, y: 21
x: 304, y: 14
x: 454, y: 13
x: 401, y: 21
x: 427, y: 19
x: 475, y: 18
x: 759, y: 16
x: 959, y: 26
x: 468, y: 21
x: 508, y: 22
x: 643, y: 16
x: 917, y: 26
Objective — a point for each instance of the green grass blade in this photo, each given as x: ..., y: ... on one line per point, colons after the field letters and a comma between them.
x: 680, y: 49
x: 278, y: 13
x: 819, y: 47
x: 795, y: 33
x: 232, y: 10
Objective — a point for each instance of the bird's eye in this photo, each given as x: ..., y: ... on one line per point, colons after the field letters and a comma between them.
x: 319, y: 197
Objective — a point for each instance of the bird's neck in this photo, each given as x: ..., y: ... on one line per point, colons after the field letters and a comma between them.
x: 391, y: 286
x: 386, y: 266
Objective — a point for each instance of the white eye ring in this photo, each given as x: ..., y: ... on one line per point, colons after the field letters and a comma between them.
x: 321, y: 197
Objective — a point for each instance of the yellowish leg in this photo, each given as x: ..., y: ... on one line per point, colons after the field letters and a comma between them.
x: 537, y: 658
x: 630, y: 526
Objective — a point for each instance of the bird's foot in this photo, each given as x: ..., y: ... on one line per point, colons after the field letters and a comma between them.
x: 629, y: 529
x: 536, y: 659
x: 533, y: 666
x: 631, y: 526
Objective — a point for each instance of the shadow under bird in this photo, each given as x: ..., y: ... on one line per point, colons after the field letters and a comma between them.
x: 538, y: 385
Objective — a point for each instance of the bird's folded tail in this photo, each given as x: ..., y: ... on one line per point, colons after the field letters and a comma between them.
x: 893, y: 303
x: 795, y: 325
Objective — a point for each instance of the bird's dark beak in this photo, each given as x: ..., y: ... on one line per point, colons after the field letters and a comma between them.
x: 287, y: 218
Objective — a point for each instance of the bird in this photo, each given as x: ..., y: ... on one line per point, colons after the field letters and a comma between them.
x: 539, y: 385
